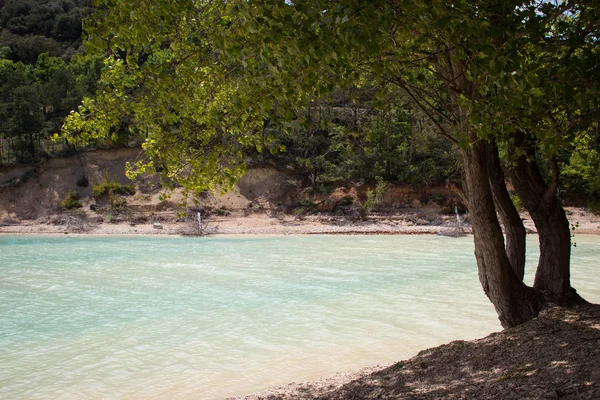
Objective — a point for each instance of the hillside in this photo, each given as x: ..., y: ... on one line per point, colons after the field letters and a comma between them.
x: 265, y: 201
x: 32, y: 195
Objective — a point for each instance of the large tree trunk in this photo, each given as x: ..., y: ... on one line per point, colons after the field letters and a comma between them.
x: 514, y: 302
x: 509, y: 216
x: 553, y: 272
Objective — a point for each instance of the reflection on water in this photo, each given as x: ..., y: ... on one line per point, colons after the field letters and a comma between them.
x: 146, y: 317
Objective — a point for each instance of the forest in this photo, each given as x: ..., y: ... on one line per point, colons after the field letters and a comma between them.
x: 42, y: 74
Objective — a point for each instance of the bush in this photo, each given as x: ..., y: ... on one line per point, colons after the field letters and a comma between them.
x: 117, y: 203
x: 108, y: 189
x: 375, y: 197
x: 71, y: 201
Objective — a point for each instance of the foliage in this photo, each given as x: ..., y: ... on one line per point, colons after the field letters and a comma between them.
x: 71, y: 201
x: 348, y: 137
x: 210, y: 115
x: 112, y: 189
x: 117, y: 202
x: 375, y: 197
x: 111, y: 201
x: 580, y: 171
x: 194, y: 133
x: 516, y: 200
x: 356, y: 130
x: 211, y: 96
x: 42, y: 78
x: 35, y: 99
x: 33, y: 27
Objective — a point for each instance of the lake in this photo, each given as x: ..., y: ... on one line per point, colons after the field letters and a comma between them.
x: 207, y: 318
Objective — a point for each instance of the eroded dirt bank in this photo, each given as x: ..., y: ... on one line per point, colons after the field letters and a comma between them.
x: 555, y: 356
x: 265, y: 201
x: 35, y: 194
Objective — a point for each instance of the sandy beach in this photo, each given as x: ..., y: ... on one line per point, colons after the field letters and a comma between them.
x: 412, y: 222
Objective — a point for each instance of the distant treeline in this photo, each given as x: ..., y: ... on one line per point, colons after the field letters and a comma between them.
x: 42, y: 76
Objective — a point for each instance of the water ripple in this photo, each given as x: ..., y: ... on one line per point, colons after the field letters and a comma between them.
x: 153, y: 318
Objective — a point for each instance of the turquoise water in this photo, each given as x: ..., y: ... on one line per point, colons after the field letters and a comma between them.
x: 207, y: 318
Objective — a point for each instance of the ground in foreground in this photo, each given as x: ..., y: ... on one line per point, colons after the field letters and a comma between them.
x: 555, y: 356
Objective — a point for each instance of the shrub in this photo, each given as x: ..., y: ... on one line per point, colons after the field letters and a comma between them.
x: 375, y: 197
x: 346, y: 201
x: 112, y: 188
x: 71, y: 201
x: 117, y: 203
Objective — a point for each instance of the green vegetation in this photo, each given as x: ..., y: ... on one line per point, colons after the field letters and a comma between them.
x: 107, y: 189
x: 361, y: 129
x: 42, y: 74
x: 375, y: 197
x: 580, y: 172
x: 349, y: 136
x: 516, y: 202
x: 71, y: 201
x: 32, y: 27
x: 111, y: 202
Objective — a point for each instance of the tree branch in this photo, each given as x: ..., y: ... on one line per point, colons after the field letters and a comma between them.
x: 443, y: 131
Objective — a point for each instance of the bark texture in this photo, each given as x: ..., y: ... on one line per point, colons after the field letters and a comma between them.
x: 514, y: 302
x: 553, y: 272
x: 509, y: 216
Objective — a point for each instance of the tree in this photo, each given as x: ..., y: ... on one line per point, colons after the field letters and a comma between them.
x: 581, y: 182
x: 202, y: 78
x: 36, y: 98
x: 359, y: 134
x: 31, y: 28
x: 42, y: 78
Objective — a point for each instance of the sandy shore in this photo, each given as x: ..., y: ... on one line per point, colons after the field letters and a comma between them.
x: 254, y: 225
x: 409, y: 223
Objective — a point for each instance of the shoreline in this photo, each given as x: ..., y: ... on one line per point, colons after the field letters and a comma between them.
x: 242, y: 225
x: 553, y: 356
x: 581, y: 221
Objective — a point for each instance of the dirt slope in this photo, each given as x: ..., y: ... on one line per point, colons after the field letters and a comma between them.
x: 32, y: 192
